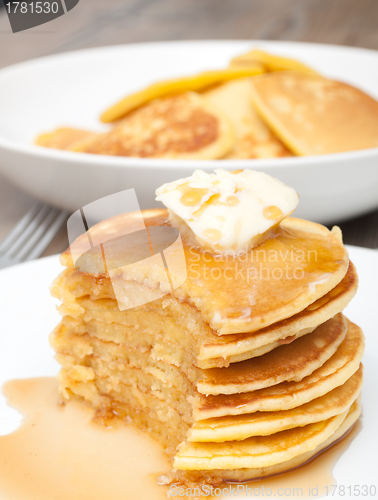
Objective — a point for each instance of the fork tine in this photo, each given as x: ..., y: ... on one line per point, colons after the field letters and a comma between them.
x: 48, y: 236
x: 39, y: 231
x: 19, y: 228
x: 17, y: 246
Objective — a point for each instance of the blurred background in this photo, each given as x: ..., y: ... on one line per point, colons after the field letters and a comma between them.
x: 94, y: 23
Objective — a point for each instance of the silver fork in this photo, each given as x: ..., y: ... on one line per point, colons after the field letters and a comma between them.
x: 31, y: 235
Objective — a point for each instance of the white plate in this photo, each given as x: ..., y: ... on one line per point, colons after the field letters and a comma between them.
x: 28, y: 315
x: 72, y: 89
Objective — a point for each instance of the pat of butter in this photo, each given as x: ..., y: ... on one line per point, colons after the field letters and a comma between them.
x: 227, y: 212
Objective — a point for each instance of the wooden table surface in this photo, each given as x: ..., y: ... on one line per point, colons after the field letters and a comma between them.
x: 93, y: 23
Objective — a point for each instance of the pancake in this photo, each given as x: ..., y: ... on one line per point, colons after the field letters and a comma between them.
x: 257, y: 451
x: 243, y: 475
x: 71, y: 139
x: 181, y: 126
x: 313, y: 115
x: 287, y: 395
x: 140, y: 306
x: 221, y: 351
x: 105, y: 321
x: 291, y: 362
x: 270, y: 62
x: 265, y: 423
x: 253, y: 137
x: 307, y: 259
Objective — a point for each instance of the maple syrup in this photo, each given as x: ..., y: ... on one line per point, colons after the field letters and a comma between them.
x: 59, y: 453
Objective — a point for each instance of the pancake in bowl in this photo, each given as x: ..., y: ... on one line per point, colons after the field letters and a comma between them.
x: 180, y: 126
x: 271, y: 62
x: 218, y: 419
x: 313, y: 115
x: 253, y: 139
x: 71, y: 139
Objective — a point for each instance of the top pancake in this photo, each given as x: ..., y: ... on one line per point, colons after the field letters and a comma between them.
x: 222, y: 350
x: 313, y: 115
x: 233, y: 295
x: 253, y: 138
x: 180, y: 126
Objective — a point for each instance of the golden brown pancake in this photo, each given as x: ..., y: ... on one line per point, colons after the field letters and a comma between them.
x: 259, y: 423
x: 180, y: 126
x: 222, y: 350
x: 71, y: 139
x: 313, y: 115
x: 238, y: 475
x: 307, y: 259
x: 287, y: 395
x: 257, y: 451
x: 293, y: 361
x: 164, y: 88
x: 253, y: 138
x: 105, y: 321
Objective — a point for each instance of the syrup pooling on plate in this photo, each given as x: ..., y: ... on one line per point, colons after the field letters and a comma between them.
x: 57, y: 454
x: 315, y: 477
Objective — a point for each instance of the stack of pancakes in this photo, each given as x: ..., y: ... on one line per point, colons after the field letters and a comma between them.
x: 245, y: 369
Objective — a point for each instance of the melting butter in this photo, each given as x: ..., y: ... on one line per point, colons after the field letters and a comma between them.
x: 227, y: 212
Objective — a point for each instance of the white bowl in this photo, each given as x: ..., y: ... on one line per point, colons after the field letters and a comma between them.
x: 74, y: 88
